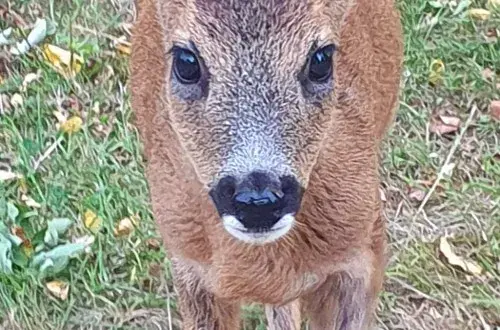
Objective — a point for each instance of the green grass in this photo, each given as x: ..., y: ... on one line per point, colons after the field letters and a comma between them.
x: 124, y: 282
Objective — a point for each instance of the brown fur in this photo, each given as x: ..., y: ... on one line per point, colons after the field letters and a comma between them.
x: 332, y: 260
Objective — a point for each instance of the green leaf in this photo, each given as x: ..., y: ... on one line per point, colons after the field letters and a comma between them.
x: 60, y: 264
x: 66, y: 250
x: 12, y: 211
x: 51, y: 237
x: 61, y: 225
x: 56, y: 227
x: 46, y: 265
x: 19, y: 257
x: 3, y: 228
x: 5, y: 255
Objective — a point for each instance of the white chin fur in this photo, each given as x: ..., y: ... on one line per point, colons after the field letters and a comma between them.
x: 280, y: 228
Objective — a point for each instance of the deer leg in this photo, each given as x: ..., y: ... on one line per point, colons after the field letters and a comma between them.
x: 286, y: 317
x: 345, y: 301
x: 199, y: 308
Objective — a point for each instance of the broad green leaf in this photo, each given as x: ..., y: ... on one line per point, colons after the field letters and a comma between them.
x: 51, y: 237
x: 61, y: 225
x: 56, y: 227
x: 47, y: 263
x: 66, y: 250
x: 12, y: 211
x: 5, y: 255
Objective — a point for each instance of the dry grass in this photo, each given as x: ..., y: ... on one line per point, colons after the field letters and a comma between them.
x: 124, y: 283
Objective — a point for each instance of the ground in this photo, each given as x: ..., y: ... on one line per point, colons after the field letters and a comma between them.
x: 438, y: 188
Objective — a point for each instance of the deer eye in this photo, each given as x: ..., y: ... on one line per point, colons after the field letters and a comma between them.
x: 186, y: 66
x: 320, y: 64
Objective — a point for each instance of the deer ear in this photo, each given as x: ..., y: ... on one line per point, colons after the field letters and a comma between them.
x: 147, y: 66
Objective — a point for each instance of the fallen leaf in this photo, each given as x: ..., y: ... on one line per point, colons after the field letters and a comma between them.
x: 16, y: 100
x: 153, y: 243
x: 125, y: 226
x: 72, y: 125
x: 29, y: 78
x: 30, y: 201
x: 155, y: 270
x: 488, y: 74
x: 61, y: 118
x: 416, y: 195
x: 28, y: 249
x: 68, y: 64
x: 466, y: 265
x: 445, y: 125
x: 7, y: 175
x: 440, y: 128
x: 4, y: 36
x: 436, y: 71
x: 19, y: 232
x: 87, y: 240
x: 92, y: 221
x: 448, y: 169
x: 479, y: 14
x: 450, y: 121
x: 23, y: 185
x: 495, y: 109
x: 58, y: 289
x: 36, y: 35
x: 122, y: 45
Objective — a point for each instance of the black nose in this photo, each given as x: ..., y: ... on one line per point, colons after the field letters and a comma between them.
x: 257, y: 201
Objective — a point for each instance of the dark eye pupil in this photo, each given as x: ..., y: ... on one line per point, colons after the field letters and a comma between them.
x: 320, y: 65
x: 186, y: 66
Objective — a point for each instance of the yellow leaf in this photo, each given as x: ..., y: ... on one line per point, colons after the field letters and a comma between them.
x: 122, y: 45
x: 436, y: 71
x: 58, y: 289
x: 92, y: 221
x: 72, y: 125
x: 66, y: 63
x: 125, y: 226
x: 28, y: 250
x: 494, y: 3
x: 123, y: 49
x: 466, y: 265
x: 479, y: 14
x: 23, y: 185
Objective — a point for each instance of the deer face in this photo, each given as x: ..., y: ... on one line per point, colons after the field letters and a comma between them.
x: 250, y: 93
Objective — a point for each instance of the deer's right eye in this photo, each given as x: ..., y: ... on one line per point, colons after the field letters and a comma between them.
x: 186, y: 66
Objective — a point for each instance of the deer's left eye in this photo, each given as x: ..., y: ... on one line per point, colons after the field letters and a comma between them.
x: 320, y: 64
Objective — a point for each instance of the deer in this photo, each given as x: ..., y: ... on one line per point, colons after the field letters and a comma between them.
x: 261, y: 123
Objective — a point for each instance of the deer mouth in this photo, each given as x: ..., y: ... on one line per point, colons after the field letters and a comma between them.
x: 261, y: 235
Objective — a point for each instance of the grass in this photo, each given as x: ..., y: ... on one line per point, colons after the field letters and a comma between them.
x: 124, y: 281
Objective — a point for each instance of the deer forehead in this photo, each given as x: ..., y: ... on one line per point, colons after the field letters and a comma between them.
x: 240, y: 30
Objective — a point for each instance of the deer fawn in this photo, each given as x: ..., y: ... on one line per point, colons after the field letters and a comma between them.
x: 262, y: 122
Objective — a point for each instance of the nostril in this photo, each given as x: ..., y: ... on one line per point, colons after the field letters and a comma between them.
x: 227, y: 187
